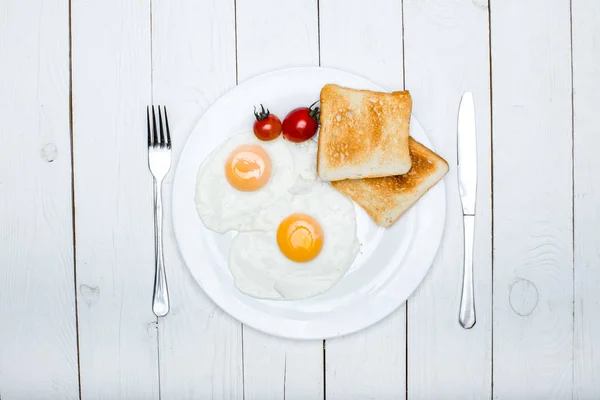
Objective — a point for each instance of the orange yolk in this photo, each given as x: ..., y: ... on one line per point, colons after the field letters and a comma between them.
x: 248, y: 168
x: 300, y: 237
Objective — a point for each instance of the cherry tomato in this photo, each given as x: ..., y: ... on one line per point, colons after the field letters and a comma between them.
x: 301, y: 123
x: 267, y: 126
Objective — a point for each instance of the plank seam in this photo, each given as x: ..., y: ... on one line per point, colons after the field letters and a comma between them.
x: 492, y: 192
x: 284, y: 374
x: 151, y: 63
x: 319, y: 30
x: 324, y: 372
x: 243, y: 367
x: 235, y: 33
x: 72, y: 138
x: 573, y: 389
x: 403, y: 47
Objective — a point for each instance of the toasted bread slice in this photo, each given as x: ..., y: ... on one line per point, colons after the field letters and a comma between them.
x: 386, y: 199
x: 363, y: 133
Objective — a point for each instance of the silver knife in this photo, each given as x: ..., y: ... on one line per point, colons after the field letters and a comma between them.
x: 467, y: 181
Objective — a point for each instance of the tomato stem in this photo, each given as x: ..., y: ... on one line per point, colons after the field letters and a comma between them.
x: 315, y: 113
x: 262, y: 114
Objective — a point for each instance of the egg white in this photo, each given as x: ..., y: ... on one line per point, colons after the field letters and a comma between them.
x: 261, y: 270
x: 223, y: 208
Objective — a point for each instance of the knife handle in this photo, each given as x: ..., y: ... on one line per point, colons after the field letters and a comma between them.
x: 467, y: 301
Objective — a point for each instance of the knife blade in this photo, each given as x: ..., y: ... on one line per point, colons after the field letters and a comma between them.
x: 467, y: 154
x: 467, y: 184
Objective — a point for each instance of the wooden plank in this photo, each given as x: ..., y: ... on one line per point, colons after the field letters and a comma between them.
x: 366, y: 39
x: 38, y: 345
x: 586, y: 93
x: 193, y: 47
x: 113, y: 198
x: 447, y: 53
x: 272, y: 35
x: 275, y: 368
x: 532, y: 142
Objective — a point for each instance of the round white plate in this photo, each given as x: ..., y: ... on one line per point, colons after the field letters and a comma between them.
x: 391, y: 264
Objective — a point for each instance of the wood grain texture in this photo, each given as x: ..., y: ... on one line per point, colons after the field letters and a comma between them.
x: 447, y: 53
x: 276, y: 368
x: 272, y: 35
x: 113, y: 199
x: 586, y: 87
x: 193, y: 48
x: 38, y: 344
x: 275, y: 34
x: 366, y: 39
x: 532, y: 137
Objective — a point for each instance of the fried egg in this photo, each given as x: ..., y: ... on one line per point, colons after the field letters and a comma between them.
x: 244, y: 177
x: 313, y: 245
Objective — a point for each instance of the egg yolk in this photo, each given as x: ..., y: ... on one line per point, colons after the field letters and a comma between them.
x: 300, y: 237
x: 248, y: 168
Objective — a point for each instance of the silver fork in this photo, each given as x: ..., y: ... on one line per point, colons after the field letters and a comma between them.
x: 159, y: 162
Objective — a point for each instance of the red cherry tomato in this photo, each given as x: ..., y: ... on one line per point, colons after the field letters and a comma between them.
x: 267, y: 126
x: 301, y: 123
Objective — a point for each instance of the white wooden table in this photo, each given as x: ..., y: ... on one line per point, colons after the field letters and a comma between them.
x: 76, y: 238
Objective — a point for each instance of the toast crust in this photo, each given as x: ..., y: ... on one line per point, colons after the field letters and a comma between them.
x: 363, y: 133
x: 385, y: 199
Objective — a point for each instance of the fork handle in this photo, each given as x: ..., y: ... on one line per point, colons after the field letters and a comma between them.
x: 160, y: 299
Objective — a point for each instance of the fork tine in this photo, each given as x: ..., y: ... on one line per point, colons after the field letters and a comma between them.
x: 149, y: 127
x: 162, y: 129
x: 155, y: 141
x: 167, y: 128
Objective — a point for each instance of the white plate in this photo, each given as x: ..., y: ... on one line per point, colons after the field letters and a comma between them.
x: 390, y: 266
